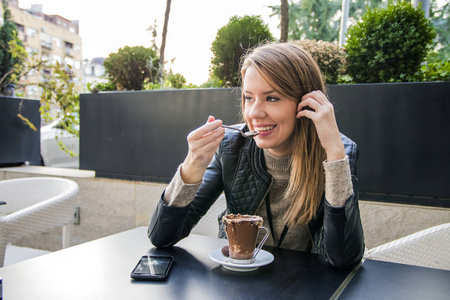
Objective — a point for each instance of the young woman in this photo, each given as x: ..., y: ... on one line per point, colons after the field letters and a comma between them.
x: 299, y: 173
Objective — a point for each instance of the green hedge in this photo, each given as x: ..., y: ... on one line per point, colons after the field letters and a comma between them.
x: 388, y: 44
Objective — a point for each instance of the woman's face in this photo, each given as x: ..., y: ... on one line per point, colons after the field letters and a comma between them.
x: 270, y: 113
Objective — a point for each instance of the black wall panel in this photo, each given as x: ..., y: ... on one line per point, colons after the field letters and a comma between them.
x: 402, y: 131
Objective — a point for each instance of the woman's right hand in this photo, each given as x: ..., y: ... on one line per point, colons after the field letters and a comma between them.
x: 203, y: 143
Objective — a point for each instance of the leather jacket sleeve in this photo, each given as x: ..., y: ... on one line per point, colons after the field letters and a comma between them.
x: 343, y: 236
x: 169, y: 225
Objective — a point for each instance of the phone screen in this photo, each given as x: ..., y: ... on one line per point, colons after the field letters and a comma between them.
x: 152, y: 267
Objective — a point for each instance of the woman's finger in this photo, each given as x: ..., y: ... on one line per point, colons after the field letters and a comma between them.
x: 205, y: 134
x: 308, y: 102
x: 319, y: 96
x: 203, y: 143
x: 199, y: 143
x: 204, y: 130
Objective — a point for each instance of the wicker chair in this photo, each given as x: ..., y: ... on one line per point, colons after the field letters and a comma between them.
x: 35, y: 205
x: 426, y: 248
x: 208, y: 225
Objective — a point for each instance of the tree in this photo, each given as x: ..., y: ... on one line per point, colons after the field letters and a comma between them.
x: 319, y: 19
x: 284, y: 21
x: 440, y: 19
x: 131, y: 67
x: 232, y: 41
x: 59, y: 94
x: 312, y: 19
x: 12, y: 52
x: 163, y: 43
x: 388, y: 44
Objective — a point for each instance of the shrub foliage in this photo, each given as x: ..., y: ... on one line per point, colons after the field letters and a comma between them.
x: 388, y: 44
x: 232, y: 41
x: 131, y: 67
x: 9, y: 46
x: 330, y: 58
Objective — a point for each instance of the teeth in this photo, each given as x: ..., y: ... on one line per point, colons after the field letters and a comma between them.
x: 264, y: 128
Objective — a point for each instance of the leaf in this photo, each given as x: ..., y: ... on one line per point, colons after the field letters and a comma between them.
x: 27, y: 122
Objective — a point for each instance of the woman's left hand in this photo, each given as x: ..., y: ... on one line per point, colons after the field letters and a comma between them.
x: 325, y: 121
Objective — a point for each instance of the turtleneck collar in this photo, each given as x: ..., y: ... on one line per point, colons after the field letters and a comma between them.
x: 277, y: 164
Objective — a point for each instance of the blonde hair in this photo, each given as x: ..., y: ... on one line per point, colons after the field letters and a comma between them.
x: 292, y: 72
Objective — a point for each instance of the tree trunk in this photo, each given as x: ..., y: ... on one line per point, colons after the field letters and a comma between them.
x: 163, y: 43
x: 284, y: 20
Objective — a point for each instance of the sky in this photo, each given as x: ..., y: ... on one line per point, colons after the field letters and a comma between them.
x: 108, y: 25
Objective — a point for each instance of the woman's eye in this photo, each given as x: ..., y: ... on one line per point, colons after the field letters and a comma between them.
x: 272, y: 99
x: 247, y: 98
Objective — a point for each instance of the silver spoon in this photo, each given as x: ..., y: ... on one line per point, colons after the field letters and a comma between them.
x: 248, y: 134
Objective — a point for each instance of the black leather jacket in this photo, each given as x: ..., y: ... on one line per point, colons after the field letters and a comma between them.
x: 238, y: 169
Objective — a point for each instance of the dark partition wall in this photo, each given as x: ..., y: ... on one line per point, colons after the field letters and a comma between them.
x: 18, y: 142
x: 142, y: 135
x: 403, y: 134
x: 401, y: 130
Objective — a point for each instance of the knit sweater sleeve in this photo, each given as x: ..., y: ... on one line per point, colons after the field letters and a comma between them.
x: 338, y: 182
x: 178, y: 193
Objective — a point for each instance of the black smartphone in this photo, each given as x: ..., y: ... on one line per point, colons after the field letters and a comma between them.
x: 152, y: 267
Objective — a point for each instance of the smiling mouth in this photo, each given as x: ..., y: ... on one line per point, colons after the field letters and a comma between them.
x: 265, y: 128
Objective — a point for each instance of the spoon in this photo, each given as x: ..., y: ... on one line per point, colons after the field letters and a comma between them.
x: 248, y: 134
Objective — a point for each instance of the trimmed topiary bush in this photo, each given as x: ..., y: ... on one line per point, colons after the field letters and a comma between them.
x: 388, y: 44
x: 131, y: 67
x: 232, y: 41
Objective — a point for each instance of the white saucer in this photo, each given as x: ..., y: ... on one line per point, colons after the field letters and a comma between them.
x: 263, y: 258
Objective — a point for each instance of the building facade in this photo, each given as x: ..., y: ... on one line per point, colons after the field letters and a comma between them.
x: 93, y: 70
x: 51, y: 37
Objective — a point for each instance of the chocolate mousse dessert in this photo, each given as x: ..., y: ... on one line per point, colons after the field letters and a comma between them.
x: 242, y: 231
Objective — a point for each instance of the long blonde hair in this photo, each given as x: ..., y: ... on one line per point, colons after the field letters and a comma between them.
x: 292, y: 72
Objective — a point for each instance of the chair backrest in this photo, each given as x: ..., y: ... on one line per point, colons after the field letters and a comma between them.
x: 209, y: 224
x: 426, y: 248
x: 35, y: 205
x: 24, y: 193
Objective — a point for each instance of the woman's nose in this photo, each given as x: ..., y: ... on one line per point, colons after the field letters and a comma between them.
x: 257, y: 110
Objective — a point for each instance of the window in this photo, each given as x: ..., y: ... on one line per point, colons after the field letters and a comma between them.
x: 58, y: 42
x: 31, y: 51
x: 99, y: 70
x: 46, y: 37
x: 56, y: 58
x: 20, y: 27
x: 45, y: 57
x: 69, y: 61
x: 31, y: 31
x: 46, y: 40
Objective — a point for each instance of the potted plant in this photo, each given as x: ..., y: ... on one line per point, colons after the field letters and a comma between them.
x: 20, y: 140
